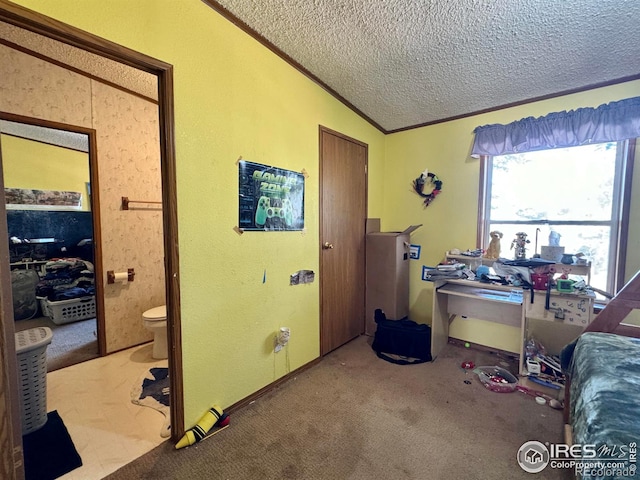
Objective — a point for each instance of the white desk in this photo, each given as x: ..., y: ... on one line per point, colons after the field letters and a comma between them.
x: 567, y: 316
x: 494, y: 303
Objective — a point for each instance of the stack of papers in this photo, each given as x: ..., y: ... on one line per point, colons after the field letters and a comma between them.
x: 432, y: 274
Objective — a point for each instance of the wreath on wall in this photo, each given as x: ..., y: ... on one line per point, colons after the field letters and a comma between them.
x: 419, y: 183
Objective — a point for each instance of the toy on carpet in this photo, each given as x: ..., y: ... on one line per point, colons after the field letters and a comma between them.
x: 497, y: 379
x: 214, y: 417
x: 494, y: 245
x: 544, y: 398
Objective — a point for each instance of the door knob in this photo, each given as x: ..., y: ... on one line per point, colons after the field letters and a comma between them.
x: 327, y: 246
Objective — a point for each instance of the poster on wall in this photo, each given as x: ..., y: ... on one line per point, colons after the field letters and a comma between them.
x: 32, y: 199
x: 271, y: 198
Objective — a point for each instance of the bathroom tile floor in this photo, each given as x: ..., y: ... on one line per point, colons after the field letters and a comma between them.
x: 94, y: 400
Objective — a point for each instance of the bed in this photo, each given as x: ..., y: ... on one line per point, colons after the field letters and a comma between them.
x: 602, y: 402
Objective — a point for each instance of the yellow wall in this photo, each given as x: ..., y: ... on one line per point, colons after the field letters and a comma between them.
x: 37, y: 165
x: 233, y: 98
x: 451, y: 220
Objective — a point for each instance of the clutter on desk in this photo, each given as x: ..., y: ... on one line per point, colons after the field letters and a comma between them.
x: 555, y: 252
x: 573, y: 258
x: 448, y: 267
x: 483, y: 270
x: 538, y: 274
x: 494, y: 249
x: 467, y: 253
x: 446, y: 271
x: 534, y: 274
x: 519, y: 244
x: 565, y: 285
x: 527, y: 262
x: 540, y: 281
x: 431, y: 274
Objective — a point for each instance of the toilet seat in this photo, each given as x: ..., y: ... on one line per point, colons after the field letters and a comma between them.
x: 156, y: 314
x: 155, y: 320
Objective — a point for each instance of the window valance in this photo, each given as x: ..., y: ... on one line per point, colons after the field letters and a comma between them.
x: 610, y: 122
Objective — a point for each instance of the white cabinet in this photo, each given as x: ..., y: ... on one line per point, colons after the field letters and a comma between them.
x: 567, y: 308
x: 567, y: 315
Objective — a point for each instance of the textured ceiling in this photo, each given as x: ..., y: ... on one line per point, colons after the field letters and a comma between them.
x: 404, y: 63
x: 52, y: 136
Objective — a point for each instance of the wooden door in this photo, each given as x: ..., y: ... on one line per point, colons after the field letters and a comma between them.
x: 11, y: 465
x: 343, y: 211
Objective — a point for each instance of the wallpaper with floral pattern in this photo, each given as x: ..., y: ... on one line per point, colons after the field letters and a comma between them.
x: 128, y: 165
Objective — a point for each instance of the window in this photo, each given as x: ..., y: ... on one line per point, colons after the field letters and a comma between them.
x: 577, y: 192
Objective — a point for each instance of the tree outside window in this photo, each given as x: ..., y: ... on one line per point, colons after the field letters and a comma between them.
x: 575, y: 192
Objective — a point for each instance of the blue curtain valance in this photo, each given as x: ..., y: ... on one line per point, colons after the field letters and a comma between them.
x: 610, y: 122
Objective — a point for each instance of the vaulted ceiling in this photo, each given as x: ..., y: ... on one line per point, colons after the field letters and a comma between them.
x: 406, y: 63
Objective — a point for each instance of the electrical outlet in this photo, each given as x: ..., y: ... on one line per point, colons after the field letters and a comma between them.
x: 282, y: 338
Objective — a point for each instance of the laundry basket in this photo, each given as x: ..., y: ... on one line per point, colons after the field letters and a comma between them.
x: 67, y: 311
x: 31, y: 347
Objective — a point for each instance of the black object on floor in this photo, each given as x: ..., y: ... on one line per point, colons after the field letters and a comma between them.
x: 404, y: 338
x: 49, y: 451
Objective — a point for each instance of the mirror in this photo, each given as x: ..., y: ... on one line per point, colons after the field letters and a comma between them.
x: 48, y: 199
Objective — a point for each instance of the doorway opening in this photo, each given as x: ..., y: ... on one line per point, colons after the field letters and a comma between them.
x: 47, y: 27
x: 53, y: 224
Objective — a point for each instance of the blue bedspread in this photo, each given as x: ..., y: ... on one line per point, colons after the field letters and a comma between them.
x: 605, y: 396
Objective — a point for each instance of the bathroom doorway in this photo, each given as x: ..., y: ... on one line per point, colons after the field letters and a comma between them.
x: 49, y: 170
x: 39, y: 24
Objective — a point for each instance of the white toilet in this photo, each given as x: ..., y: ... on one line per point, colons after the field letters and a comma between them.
x: 155, y: 320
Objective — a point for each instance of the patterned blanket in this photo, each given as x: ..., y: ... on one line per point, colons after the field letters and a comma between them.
x: 605, y: 396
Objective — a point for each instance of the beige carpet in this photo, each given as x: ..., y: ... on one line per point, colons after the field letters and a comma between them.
x: 72, y: 342
x: 355, y: 416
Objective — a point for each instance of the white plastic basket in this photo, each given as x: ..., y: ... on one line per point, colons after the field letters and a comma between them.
x: 67, y: 311
x: 31, y: 347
